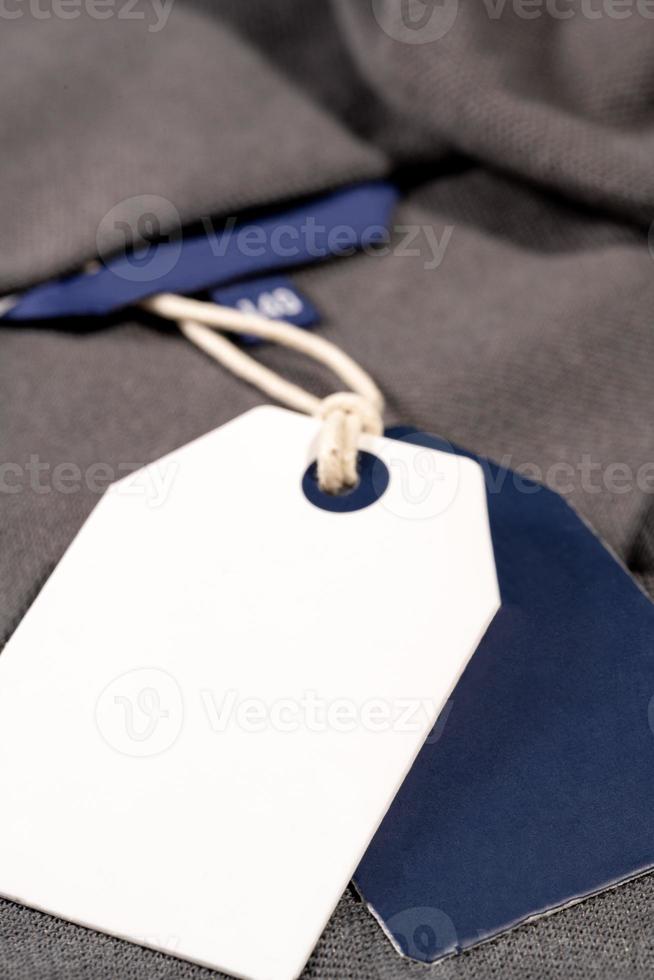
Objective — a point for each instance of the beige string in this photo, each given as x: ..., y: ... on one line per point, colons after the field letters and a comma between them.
x: 345, y: 414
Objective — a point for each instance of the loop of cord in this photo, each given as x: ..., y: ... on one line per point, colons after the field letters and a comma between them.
x: 345, y: 414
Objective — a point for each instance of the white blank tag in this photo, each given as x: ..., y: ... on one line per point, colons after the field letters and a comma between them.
x: 210, y: 706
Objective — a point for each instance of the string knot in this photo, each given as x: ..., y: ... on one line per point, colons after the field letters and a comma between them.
x: 346, y: 415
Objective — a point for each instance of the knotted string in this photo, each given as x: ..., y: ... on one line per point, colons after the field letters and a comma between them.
x: 345, y: 414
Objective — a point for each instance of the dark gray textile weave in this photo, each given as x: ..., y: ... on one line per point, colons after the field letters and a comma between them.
x: 523, y: 147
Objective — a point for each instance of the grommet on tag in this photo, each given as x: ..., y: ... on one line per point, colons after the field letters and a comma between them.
x: 371, y: 485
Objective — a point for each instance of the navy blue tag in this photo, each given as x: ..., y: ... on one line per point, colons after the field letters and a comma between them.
x: 275, y: 297
x: 335, y: 224
x: 537, y: 790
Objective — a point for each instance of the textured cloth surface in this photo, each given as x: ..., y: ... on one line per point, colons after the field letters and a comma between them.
x: 102, y: 111
x: 524, y: 150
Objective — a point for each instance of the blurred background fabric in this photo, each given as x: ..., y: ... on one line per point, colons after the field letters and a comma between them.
x: 524, y: 145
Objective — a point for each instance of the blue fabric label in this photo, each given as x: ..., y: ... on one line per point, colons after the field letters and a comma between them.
x: 335, y: 224
x: 273, y: 296
x: 535, y: 788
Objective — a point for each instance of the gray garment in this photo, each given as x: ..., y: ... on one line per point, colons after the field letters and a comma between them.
x: 523, y: 146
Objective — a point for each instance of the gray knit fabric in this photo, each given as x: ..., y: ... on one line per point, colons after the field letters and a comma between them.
x: 104, y: 110
x: 522, y: 147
